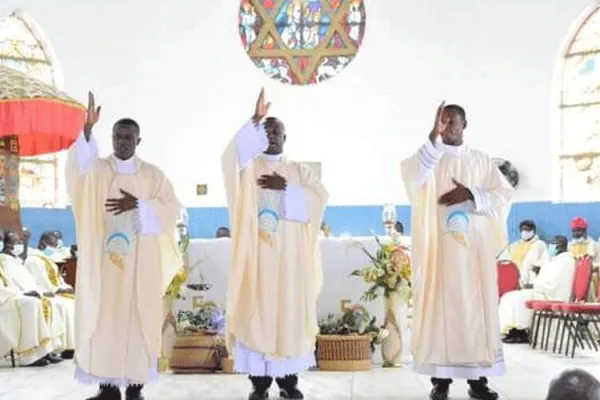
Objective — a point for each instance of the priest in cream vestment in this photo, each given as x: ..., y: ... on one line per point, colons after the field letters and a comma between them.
x: 30, y: 325
x: 554, y: 282
x: 49, y: 281
x: 460, y: 201
x: 527, y: 253
x: 125, y: 211
x: 276, y: 208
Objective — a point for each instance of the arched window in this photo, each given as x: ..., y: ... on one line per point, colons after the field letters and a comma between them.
x: 24, y: 47
x: 578, y: 143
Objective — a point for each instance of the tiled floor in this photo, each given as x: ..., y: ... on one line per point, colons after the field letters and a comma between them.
x: 528, y: 375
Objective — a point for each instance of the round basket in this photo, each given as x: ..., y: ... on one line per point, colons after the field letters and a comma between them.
x: 344, y: 352
x: 195, y: 353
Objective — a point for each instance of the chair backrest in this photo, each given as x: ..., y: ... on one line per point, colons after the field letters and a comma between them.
x: 508, y: 277
x: 582, y: 279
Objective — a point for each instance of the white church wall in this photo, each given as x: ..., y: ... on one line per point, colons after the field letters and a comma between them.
x: 178, y: 67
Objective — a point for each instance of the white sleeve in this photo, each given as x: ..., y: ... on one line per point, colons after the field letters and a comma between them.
x: 428, y: 156
x: 251, y: 140
x: 86, y: 152
x: 295, y: 206
x: 147, y: 220
x: 482, y: 200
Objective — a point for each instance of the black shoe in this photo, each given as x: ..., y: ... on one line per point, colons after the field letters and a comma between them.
x: 42, y: 362
x: 260, y: 386
x: 288, y: 387
x: 134, y: 392
x: 107, y: 392
x: 53, y: 358
x: 439, y: 393
x: 67, y: 354
x: 482, y: 392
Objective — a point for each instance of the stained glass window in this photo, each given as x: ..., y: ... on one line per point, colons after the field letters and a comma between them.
x: 579, y: 145
x: 302, y: 42
x: 22, y: 48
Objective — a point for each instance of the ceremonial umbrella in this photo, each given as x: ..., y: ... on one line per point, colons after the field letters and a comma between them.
x: 35, y: 119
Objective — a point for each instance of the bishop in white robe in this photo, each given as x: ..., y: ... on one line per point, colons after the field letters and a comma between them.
x: 460, y: 201
x: 125, y: 211
x: 553, y: 282
x: 527, y: 253
x: 276, y: 208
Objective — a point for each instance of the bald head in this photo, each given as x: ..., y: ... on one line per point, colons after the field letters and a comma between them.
x: 575, y: 384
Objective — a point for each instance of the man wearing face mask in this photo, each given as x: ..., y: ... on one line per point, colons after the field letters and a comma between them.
x: 582, y: 245
x: 58, y: 312
x: 527, y: 253
x: 48, y: 279
x: 552, y: 283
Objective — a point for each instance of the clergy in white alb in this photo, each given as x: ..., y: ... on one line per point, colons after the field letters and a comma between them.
x: 527, y: 253
x: 41, y: 262
x: 125, y: 211
x: 553, y: 282
x: 26, y: 324
x: 460, y: 201
x: 12, y: 265
x: 276, y: 207
x: 49, y: 281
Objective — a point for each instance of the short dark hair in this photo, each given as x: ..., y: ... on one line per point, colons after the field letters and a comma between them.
x: 574, y: 384
x: 528, y: 223
x: 561, y: 240
x: 277, y: 121
x: 128, y: 122
x: 455, y: 108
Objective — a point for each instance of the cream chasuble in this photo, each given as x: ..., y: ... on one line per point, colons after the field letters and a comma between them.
x: 126, y: 264
x: 554, y: 282
x: 275, y: 275
x: 25, y: 325
x: 526, y: 254
x: 455, y: 332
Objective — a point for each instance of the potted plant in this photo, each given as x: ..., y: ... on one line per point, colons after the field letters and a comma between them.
x: 388, y: 275
x: 346, y: 342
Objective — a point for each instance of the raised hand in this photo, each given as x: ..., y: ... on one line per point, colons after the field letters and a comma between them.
x: 458, y: 195
x: 273, y: 182
x: 92, y: 115
x: 440, y: 123
x: 118, y: 206
x: 262, y: 108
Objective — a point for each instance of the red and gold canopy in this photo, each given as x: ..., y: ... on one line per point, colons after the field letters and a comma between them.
x: 43, y: 118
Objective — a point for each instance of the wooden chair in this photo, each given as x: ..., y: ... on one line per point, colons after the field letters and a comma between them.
x: 508, y: 277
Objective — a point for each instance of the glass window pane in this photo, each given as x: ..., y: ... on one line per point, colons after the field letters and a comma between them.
x: 581, y: 79
x: 580, y: 130
x: 588, y: 37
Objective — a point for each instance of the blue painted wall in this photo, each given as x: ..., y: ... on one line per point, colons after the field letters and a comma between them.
x: 358, y: 220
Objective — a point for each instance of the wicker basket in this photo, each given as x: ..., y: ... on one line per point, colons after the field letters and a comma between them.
x: 227, y: 365
x: 344, y: 352
x: 195, y: 353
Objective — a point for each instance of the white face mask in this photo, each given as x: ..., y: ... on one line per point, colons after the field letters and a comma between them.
x: 526, y: 235
x: 17, y: 250
x: 182, y: 232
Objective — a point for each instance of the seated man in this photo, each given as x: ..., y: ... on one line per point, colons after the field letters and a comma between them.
x: 582, y: 245
x: 223, y: 232
x: 49, y: 245
x: 61, y: 313
x: 527, y: 253
x: 48, y: 280
x: 26, y: 324
x: 553, y: 282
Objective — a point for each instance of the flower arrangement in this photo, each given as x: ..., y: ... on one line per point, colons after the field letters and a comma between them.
x: 388, y: 273
x: 209, y: 318
x: 176, y: 289
x: 354, y: 321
